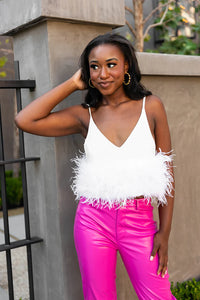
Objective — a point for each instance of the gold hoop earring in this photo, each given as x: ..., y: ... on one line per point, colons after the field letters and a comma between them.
x: 129, y: 79
x: 90, y: 84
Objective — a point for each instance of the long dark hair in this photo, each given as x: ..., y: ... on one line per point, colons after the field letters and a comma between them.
x: 135, y: 90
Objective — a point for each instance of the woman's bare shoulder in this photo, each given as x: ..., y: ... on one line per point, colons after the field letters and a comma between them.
x: 153, y: 100
x: 154, y: 105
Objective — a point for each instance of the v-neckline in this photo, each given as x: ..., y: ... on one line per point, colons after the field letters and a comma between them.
x: 125, y: 142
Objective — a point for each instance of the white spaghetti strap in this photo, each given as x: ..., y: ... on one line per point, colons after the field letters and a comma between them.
x: 89, y: 109
x: 143, y: 104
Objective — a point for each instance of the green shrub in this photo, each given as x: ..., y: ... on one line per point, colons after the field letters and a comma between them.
x: 14, y: 191
x: 9, y: 173
x: 188, y: 290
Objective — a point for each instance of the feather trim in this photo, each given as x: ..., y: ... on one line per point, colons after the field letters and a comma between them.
x: 110, y: 183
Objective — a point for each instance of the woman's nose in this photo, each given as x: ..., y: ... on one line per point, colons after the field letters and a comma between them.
x: 103, y: 73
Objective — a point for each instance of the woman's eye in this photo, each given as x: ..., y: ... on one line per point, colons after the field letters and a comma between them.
x: 111, y: 65
x: 94, y: 67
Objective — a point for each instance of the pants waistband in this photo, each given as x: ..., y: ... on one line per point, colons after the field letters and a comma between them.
x: 138, y: 203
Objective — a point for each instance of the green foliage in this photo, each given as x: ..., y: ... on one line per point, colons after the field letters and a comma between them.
x: 180, y: 45
x: 172, y: 20
x: 129, y: 37
x: 3, y: 74
x: 197, y: 8
x: 173, y: 44
x: 3, y: 60
x: 14, y: 191
x: 147, y: 38
x: 196, y: 28
x: 188, y: 290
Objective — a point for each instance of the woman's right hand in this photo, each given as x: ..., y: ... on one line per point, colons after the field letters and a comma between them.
x: 80, y: 84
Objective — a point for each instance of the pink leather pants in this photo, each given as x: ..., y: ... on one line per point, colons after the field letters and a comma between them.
x: 100, y: 232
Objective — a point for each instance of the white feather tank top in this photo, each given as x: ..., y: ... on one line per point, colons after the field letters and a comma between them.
x: 109, y: 175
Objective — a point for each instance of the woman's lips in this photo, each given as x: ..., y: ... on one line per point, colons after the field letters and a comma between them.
x: 105, y: 84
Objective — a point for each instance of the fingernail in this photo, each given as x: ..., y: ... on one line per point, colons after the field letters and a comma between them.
x: 165, y: 272
x: 151, y: 258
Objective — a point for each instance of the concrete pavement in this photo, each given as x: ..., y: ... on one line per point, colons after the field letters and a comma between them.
x: 19, y: 261
x: 4, y: 294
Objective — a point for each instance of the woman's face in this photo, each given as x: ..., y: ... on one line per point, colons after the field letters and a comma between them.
x: 107, y: 67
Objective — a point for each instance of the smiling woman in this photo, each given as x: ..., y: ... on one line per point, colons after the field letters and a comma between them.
x: 107, y: 68
x: 125, y: 168
x: 125, y: 54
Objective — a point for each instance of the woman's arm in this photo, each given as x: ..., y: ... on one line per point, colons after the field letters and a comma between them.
x: 37, y: 118
x: 163, y: 143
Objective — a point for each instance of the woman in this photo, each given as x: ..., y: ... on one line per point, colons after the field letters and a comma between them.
x: 126, y: 166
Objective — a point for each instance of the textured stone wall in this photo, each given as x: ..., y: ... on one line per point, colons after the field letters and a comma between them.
x: 21, y: 13
x: 7, y: 98
x: 180, y: 95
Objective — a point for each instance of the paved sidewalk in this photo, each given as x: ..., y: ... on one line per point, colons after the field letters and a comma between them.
x: 4, y: 294
x: 19, y: 260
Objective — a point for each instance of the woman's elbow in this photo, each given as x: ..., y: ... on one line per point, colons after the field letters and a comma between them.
x: 17, y: 121
x: 20, y: 123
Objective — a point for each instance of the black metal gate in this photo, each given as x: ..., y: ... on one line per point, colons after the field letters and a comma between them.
x: 28, y: 241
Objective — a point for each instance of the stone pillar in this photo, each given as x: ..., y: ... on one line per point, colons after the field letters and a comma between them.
x: 48, y: 39
x: 7, y: 100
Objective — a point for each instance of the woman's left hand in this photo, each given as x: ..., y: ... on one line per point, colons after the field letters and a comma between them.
x: 160, y: 246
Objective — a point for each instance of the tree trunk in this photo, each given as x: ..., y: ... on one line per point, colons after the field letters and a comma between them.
x: 138, y: 20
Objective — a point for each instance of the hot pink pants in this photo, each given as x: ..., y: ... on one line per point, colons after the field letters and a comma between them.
x: 100, y: 232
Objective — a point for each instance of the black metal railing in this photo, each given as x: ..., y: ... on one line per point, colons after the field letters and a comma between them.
x: 28, y: 241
